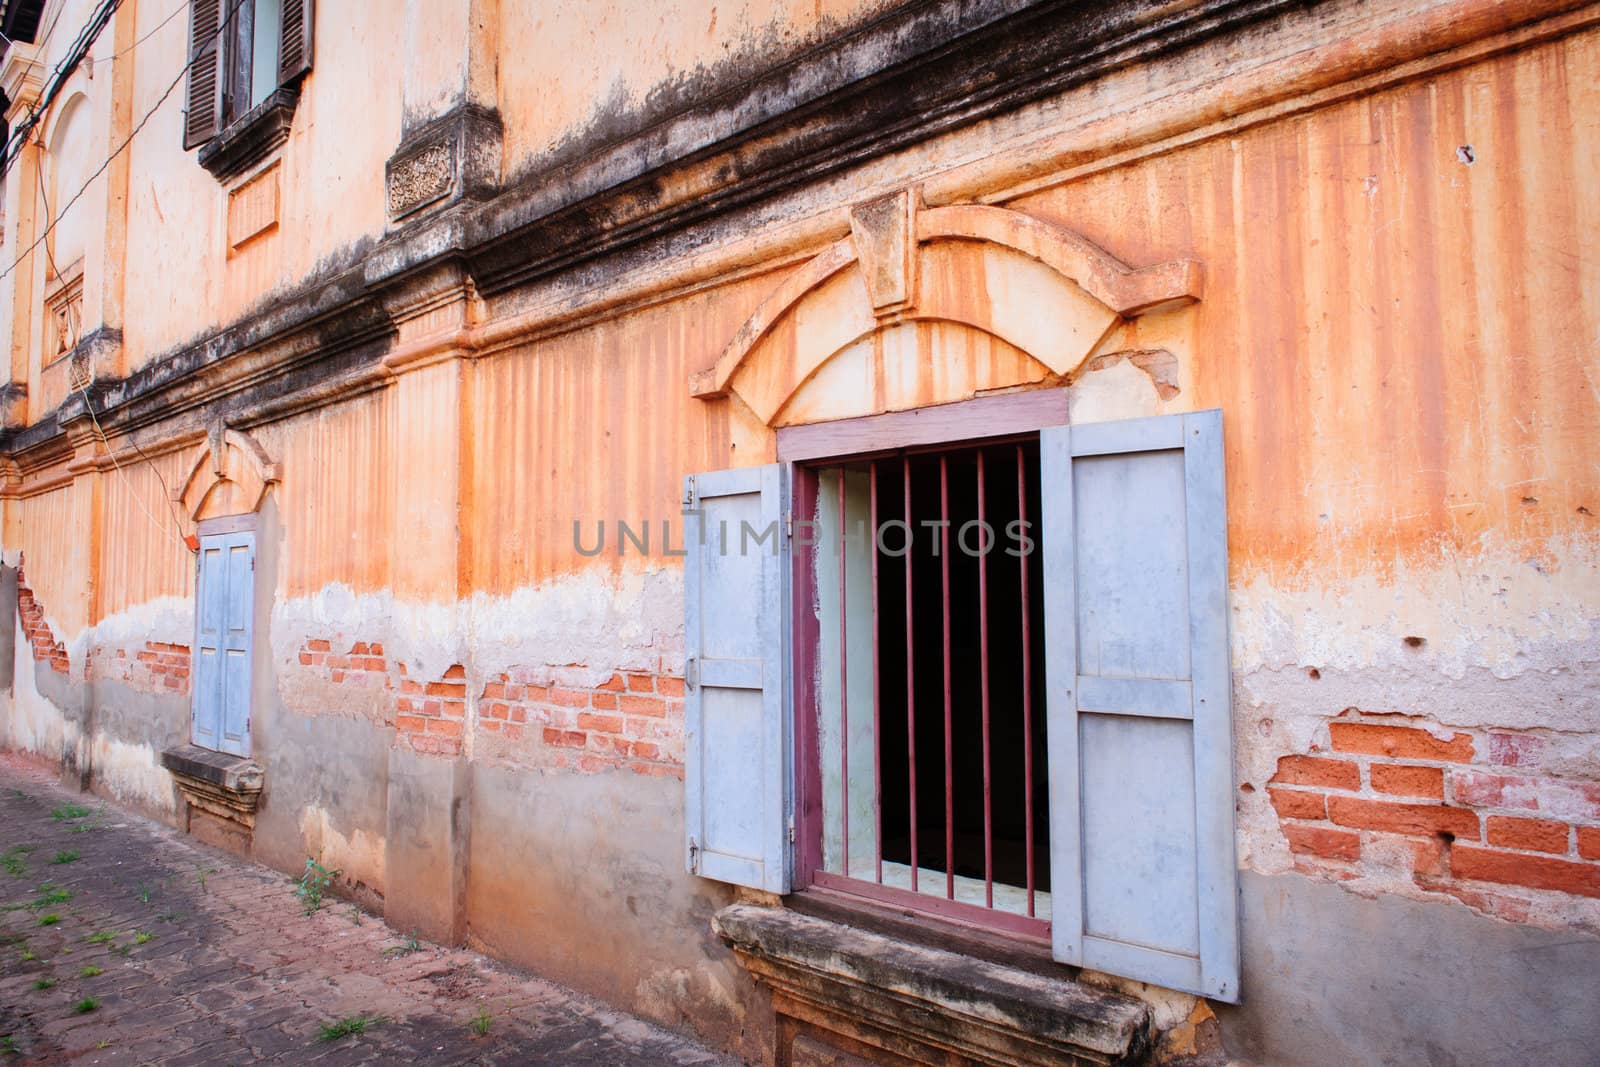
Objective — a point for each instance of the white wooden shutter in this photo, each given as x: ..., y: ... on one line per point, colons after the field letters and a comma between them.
x: 226, y: 594
x: 1139, y: 729
x: 736, y: 708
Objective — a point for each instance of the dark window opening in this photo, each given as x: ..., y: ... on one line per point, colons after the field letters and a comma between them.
x: 926, y: 825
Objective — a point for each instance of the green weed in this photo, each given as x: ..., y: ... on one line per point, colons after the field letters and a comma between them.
x: 350, y: 1025
x: 85, y: 1006
x: 66, y: 856
x: 314, y: 884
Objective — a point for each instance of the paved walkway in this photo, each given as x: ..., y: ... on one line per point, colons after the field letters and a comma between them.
x: 124, y: 942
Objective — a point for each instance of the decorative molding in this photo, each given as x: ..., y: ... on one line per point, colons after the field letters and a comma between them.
x: 452, y: 157
x: 886, y: 243
x: 225, y: 787
x: 231, y: 456
x: 755, y: 138
x: 249, y: 139
x: 22, y: 76
x: 900, y: 1002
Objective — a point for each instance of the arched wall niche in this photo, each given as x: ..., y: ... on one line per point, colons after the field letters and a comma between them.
x: 229, y: 478
x: 922, y: 306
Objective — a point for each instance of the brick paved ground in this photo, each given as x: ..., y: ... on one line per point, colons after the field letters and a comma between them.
x: 192, y: 957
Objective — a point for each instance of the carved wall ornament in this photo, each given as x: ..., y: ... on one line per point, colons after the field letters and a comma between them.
x: 232, y: 459
x: 421, y: 178
x: 1038, y: 286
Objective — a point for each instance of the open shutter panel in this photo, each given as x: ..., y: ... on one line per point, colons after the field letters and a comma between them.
x: 736, y: 773
x: 203, y: 107
x: 212, y: 587
x: 294, y: 50
x: 240, y: 551
x: 1140, y: 731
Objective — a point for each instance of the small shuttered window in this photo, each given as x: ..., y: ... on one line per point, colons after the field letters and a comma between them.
x: 224, y: 620
x: 240, y: 51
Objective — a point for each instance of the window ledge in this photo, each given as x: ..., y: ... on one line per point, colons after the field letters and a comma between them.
x: 249, y: 139
x: 209, y: 771
x: 913, y: 999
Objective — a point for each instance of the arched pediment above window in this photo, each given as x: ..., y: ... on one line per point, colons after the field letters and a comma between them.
x: 1042, y: 290
x: 229, y: 478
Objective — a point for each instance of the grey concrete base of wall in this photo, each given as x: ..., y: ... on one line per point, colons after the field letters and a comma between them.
x: 1334, y: 978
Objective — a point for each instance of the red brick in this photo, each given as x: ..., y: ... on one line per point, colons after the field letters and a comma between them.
x: 641, y: 683
x: 447, y: 727
x: 669, y: 686
x: 319, y: 646
x: 1321, y: 841
x: 436, y: 744
x: 569, y: 698
x: 494, y: 691
x: 453, y: 709
x: 1534, y: 835
x: 457, y: 671
x: 653, y: 706
x: 446, y: 689
x: 338, y: 676
x: 1514, y: 750
x: 148, y: 657
x: 1404, y: 742
x: 565, y: 738
x: 496, y: 710
x: 491, y: 727
x: 1407, y: 781
x: 615, y: 684
x: 1311, y: 770
x: 372, y: 664
x: 1533, y: 872
x: 410, y: 722
x: 375, y: 648
x: 1403, y: 818
x: 644, y: 750
x: 358, y: 649
x: 1589, y: 842
x: 305, y: 659
x: 519, y: 713
x: 1294, y: 804
x: 605, y: 701
x: 410, y: 687
x: 611, y: 724
x: 1483, y: 790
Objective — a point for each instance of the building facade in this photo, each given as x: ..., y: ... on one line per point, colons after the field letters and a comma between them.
x: 910, y: 532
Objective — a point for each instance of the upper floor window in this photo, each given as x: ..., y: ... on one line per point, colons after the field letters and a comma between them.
x: 247, y: 57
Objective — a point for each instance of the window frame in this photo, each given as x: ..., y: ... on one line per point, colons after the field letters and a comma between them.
x: 992, y: 420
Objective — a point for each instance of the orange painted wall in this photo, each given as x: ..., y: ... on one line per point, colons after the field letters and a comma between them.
x: 1405, y: 344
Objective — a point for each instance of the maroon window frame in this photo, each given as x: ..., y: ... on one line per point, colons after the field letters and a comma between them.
x: 989, y: 421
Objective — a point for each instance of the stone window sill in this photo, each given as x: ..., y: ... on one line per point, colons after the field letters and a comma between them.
x: 252, y: 137
x: 909, y: 997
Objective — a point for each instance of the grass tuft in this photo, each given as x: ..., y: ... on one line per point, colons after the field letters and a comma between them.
x: 349, y: 1026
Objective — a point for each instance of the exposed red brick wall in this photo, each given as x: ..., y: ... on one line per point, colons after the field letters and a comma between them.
x: 1477, y: 810
x: 159, y: 667
x: 363, y: 665
x: 431, y: 716
x: 632, y: 720
x: 46, y: 649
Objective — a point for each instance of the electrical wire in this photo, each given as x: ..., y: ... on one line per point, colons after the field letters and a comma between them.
x: 88, y: 403
x: 63, y: 70
x: 157, y: 28
x: 126, y: 141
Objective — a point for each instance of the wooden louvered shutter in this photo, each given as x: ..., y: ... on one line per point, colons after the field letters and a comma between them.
x: 294, y: 52
x: 203, y: 109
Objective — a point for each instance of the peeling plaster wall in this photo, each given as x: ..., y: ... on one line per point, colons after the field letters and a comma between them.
x: 1402, y: 344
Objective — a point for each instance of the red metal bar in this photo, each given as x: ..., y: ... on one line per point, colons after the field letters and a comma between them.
x: 949, y: 748
x: 1027, y: 676
x: 877, y: 735
x: 927, y: 904
x: 911, y: 682
x: 844, y: 684
x: 983, y: 682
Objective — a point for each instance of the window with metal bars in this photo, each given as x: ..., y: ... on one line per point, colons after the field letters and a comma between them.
x: 920, y: 681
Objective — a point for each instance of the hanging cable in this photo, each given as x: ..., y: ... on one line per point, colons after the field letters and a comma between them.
x: 88, y: 403
x: 126, y: 141
x: 58, y: 78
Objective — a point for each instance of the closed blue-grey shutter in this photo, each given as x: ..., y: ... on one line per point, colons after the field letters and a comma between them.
x: 222, y: 642
x: 1139, y: 730
x: 736, y: 708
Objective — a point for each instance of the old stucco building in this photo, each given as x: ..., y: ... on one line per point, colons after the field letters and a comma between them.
x: 380, y: 377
